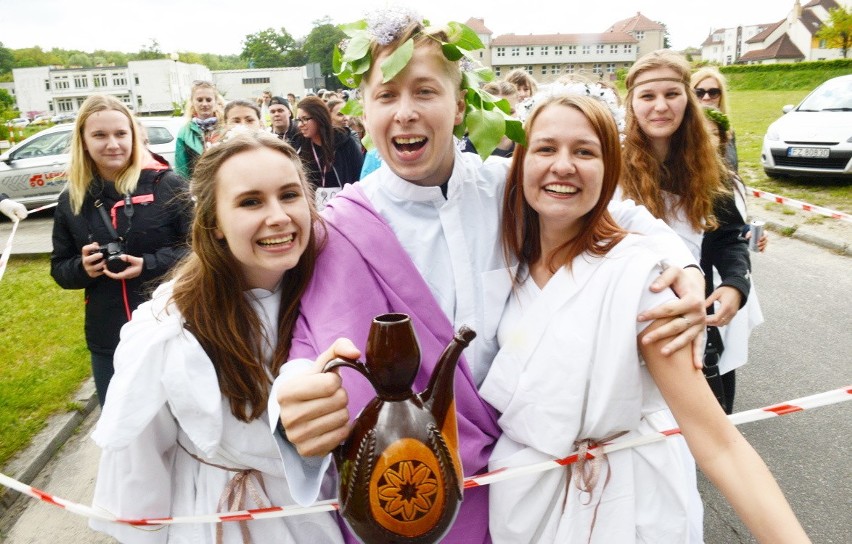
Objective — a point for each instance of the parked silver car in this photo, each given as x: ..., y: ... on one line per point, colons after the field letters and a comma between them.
x: 813, y: 139
x: 33, y: 172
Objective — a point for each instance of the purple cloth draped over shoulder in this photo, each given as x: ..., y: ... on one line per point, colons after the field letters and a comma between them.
x: 361, y: 272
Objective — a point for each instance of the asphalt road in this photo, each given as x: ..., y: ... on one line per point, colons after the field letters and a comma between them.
x: 802, y: 349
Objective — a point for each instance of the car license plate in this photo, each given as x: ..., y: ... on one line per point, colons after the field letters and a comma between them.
x: 808, y: 152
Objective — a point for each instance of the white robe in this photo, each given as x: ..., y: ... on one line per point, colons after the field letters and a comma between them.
x: 165, y: 391
x: 569, y: 369
x: 455, y: 244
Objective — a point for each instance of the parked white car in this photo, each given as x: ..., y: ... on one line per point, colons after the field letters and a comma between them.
x: 33, y: 172
x: 813, y: 139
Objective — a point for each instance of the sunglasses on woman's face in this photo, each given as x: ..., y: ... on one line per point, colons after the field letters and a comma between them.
x: 712, y: 93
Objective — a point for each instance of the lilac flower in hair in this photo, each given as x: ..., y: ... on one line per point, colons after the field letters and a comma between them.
x: 386, y: 24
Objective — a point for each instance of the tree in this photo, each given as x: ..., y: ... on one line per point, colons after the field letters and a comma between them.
x: 319, y: 47
x: 80, y: 59
x: 151, y: 51
x: 837, y: 30
x: 7, y: 60
x: 34, y: 56
x: 268, y: 48
x: 667, y: 44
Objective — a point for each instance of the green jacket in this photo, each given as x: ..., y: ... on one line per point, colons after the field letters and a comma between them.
x: 189, y: 146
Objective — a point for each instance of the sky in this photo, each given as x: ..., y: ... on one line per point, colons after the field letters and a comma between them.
x: 220, y: 26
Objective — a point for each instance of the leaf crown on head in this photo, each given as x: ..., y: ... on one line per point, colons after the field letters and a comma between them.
x: 486, y: 119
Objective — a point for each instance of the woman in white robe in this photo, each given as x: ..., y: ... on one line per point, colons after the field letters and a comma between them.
x: 184, y: 428
x: 573, y: 370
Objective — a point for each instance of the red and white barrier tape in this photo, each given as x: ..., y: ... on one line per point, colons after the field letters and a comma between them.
x: 45, y: 207
x: 800, y: 205
x: 805, y: 403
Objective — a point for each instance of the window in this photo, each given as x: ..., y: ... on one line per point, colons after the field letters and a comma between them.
x: 823, y: 44
x: 81, y: 81
x: 99, y: 80
x: 119, y: 79
x: 255, y: 80
x: 530, y: 70
x: 596, y: 68
x: 613, y: 49
x: 569, y: 69
x: 501, y: 51
x: 530, y: 51
x: 61, y: 82
x: 557, y: 50
x: 497, y: 71
x: 159, y: 135
x: 544, y: 69
x: 554, y: 69
x: 126, y: 99
x: 572, y: 49
x: 46, y: 84
x: 516, y: 51
x: 139, y: 101
x: 610, y: 67
x: 544, y: 50
x: 587, y: 49
x: 628, y: 48
x: 64, y: 105
x: 599, y: 49
x: 639, y: 35
x: 136, y: 79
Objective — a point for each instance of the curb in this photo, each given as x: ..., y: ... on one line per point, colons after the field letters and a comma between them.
x: 836, y: 246
x: 27, y: 464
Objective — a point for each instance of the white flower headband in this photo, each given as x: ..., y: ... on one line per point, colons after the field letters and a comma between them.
x: 603, y: 94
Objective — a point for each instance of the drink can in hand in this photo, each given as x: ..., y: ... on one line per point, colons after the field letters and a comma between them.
x: 756, y: 233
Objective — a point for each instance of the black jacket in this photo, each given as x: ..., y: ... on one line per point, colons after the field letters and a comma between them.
x: 348, y: 160
x: 726, y: 250
x: 158, y: 232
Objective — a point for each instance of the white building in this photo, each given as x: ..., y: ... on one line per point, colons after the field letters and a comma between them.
x: 726, y: 45
x: 146, y: 86
x: 547, y: 56
x: 792, y: 39
x: 250, y: 84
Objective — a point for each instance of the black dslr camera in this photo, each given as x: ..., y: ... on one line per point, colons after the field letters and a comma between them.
x: 112, y: 257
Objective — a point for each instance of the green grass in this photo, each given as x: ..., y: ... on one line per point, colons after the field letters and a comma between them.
x: 43, y: 355
x: 751, y: 114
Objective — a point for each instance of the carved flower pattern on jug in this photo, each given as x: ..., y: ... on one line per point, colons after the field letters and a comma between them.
x: 408, y: 490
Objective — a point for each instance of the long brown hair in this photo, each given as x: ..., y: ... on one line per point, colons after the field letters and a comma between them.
x: 520, y: 226
x: 316, y: 109
x: 209, y: 286
x: 692, y: 169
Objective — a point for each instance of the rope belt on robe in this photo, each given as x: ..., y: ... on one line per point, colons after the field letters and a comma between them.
x: 585, y: 472
x: 233, y: 497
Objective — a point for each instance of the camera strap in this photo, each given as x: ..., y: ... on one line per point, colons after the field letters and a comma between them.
x: 107, y: 223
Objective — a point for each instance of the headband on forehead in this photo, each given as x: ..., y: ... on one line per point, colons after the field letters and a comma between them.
x: 674, y: 79
x: 486, y: 119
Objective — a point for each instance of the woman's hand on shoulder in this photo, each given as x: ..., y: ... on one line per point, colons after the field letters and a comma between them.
x: 314, y: 405
x: 688, y: 285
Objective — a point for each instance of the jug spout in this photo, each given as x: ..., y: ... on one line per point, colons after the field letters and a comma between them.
x: 439, y: 395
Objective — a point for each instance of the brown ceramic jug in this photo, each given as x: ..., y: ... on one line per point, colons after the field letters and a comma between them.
x: 400, y: 473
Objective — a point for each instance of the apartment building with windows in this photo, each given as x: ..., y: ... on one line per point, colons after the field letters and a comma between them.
x: 792, y: 39
x: 548, y: 56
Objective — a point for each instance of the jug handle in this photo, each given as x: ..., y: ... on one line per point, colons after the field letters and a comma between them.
x: 349, y: 363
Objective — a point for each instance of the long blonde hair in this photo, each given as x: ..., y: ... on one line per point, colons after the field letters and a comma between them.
x: 692, y: 169
x: 82, y: 169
